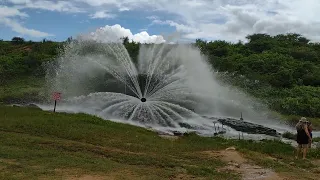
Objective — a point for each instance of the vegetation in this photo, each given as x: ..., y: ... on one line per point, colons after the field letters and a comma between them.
x: 289, y: 135
x: 22, y: 90
x: 283, y: 71
x: 39, y: 144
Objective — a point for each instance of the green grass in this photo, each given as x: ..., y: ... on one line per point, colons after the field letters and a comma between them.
x: 40, y: 142
x: 36, y: 143
x: 26, y: 89
x: 316, y: 139
x: 289, y: 135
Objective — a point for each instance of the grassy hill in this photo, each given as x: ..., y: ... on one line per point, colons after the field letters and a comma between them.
x: 38, y: 144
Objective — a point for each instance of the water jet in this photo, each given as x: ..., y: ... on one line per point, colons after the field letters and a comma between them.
x: 100, y: 78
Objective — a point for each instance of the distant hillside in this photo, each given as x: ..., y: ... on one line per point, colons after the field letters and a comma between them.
x: 20, y: 58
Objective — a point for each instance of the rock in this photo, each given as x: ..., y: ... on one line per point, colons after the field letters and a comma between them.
x: 272, y: 158
x: 262, y: 173
x: 247, y: 127
x: 291, y: 163
x: 231, y: 149
x: 234, y: 164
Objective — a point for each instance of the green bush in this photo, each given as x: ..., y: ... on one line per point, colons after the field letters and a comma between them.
x: 289, y: 135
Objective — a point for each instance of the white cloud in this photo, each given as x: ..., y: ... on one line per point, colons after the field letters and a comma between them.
x: 60, y: 6
x: 11, y: 12
x: 6, y: 17
x: 102, y: 15
x: 124, y: 9
x: 115, y: 32
x: 231, y: 20
x: 16, y: 27
x: 179, y: 27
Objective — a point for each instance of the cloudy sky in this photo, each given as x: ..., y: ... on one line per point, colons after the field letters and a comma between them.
x: 151, y: 20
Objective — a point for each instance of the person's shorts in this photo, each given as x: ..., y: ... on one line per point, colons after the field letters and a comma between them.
x: 303, y: 145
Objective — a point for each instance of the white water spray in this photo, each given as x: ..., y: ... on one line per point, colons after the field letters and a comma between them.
x: 168, y: 86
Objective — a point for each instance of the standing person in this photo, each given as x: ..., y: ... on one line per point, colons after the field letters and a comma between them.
x: 310, y: 132
x: 303, y: 137
x: 298, y: 127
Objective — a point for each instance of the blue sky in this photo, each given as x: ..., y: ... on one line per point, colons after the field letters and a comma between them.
x: 206, y: 19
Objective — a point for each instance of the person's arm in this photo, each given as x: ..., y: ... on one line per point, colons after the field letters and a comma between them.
x: 307, y: 132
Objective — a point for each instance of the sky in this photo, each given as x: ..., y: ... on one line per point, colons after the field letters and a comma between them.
x: 156, y: 20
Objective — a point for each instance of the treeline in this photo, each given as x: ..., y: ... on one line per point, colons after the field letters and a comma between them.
x: 283, y: 70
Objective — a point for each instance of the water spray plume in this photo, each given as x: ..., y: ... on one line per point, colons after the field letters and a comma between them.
x: 170, y: 85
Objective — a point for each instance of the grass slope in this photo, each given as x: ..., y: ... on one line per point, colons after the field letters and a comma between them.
x: 38, y: 144
x: 22, y: 90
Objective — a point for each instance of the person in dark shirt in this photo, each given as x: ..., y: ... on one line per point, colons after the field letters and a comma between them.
x: 303, y: 137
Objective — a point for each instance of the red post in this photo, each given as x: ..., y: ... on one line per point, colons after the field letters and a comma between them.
x: 56, y: 97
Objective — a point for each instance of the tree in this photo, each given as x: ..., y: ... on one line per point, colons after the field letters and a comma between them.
x: 17, y: 40
x: 283, y: 78
x: 69, y: 39
x: 125, y: 40
x: 258, y: 37
x: 260, y: 42
x: 218, y: 48
x: 201, y: 45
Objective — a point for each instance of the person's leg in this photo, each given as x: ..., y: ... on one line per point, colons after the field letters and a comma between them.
x: 298, y: 151
x: 310, y: 141
x: 304, y: 150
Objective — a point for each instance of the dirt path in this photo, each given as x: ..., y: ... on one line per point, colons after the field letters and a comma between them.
x: 241, y: 165
x: 317, y: 164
